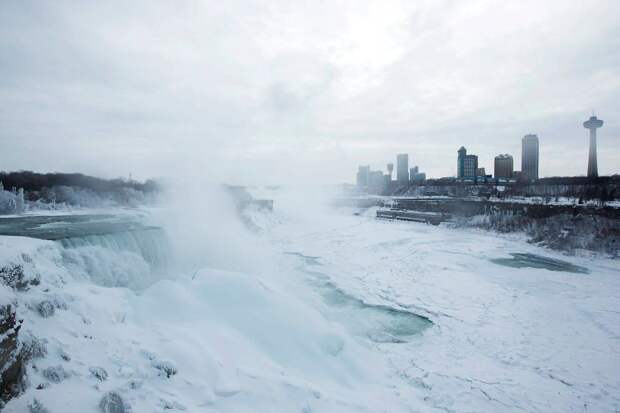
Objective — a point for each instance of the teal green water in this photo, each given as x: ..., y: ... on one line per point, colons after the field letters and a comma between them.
x: 523, y: 260
x: 379, y: 323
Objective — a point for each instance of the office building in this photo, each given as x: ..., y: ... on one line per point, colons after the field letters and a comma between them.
x: 467, y: 165
x: 376, y: 181
x: 504, y: 166
x: 529, y: 157
x: 415, y: 175
x: 362, y: 175
x: 402, y: 168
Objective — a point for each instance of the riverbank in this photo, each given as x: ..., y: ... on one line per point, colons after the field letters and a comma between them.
x: 562, y: 226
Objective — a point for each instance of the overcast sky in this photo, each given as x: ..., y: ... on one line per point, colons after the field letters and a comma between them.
x: 279, y: 91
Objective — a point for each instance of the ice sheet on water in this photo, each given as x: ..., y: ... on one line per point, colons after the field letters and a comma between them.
x: 58, y: 227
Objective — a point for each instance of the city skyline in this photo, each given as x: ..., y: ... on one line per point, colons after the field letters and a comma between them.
x: 469, y: 167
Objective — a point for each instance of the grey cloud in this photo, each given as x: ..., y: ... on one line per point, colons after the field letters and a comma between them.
x: 143, y: 84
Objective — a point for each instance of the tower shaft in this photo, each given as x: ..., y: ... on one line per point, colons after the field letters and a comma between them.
x: 592, y: 164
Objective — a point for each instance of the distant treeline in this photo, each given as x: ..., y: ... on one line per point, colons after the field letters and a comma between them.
x: 25, y: 190
x: 32, y: 181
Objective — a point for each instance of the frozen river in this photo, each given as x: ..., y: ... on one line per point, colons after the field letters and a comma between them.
x: 515, y: 327
x: 321, y: 311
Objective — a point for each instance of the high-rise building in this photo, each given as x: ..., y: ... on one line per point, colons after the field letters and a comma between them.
x: 467, y: 165
x: 362, y: 175
x: 376, y: 181
x: 592, y: 124
x: 390, y: 170
x: 471, y: 166
x: 504, y: 166
x: 415, y: 175
x: 460, y: 162
x: 529, y: 157
x: 402, y: 168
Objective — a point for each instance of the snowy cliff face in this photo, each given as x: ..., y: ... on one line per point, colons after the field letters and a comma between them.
x: 12, y: 374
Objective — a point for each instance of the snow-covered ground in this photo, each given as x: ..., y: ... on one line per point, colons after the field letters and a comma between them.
x: 323, y: 311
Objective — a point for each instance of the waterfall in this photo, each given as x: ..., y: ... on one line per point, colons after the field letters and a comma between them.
x: 133, y: 259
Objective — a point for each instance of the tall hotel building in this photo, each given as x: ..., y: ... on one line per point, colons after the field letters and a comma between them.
x: 504, y: 166
x: 467, y: 165
x: 529, y: 157
x: 402, y: 168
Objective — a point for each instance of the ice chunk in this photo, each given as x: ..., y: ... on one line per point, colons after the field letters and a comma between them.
x: 64, y: 355
x: 13, y: 275
x: 56, y: 374
x: 99, y: 373
x: 37, y: 407
x: 33, y: 347
x: 112, y: 402
x: 46, y: 309
x: 165, y: 367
